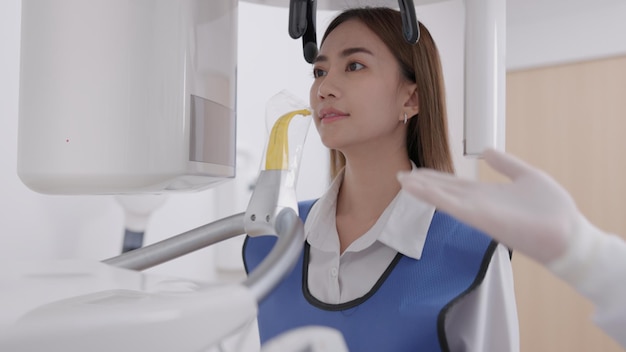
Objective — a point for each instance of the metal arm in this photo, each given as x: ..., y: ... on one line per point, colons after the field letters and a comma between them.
x: 261, y: 281
x: 281, y: 259
x: 174, y: 247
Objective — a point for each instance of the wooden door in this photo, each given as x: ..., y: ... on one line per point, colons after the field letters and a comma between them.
x: 570, y: 121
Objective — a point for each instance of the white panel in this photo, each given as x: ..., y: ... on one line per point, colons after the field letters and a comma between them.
x: 485, y: 75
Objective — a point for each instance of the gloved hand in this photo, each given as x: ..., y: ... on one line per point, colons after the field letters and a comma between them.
x: 532, y: 214
x: 307, y: 339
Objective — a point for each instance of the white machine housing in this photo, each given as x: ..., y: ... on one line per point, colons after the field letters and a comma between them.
x: 127, y: 96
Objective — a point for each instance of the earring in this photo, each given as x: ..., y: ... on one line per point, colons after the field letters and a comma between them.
x: 405, y: 118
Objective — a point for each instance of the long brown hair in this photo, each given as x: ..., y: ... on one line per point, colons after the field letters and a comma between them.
x: 427, y: 132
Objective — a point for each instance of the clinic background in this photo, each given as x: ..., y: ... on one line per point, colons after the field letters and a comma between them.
x: 540, y: 33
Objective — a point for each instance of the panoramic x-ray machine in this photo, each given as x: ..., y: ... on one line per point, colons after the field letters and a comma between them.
x: 138, y: 96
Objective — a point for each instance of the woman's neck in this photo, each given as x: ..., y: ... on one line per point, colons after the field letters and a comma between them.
x: 368, y: 186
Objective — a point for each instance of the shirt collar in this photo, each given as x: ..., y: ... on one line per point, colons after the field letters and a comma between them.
x: 403, y: 228
x: 408, y: 225
x: 320, y: 228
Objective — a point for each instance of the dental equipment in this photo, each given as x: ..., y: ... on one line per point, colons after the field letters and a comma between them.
x: 131, y: 311
x: 124, y: 97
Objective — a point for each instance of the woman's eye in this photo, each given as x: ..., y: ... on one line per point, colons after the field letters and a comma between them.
x: 354, y: 66
x: 317, y: 72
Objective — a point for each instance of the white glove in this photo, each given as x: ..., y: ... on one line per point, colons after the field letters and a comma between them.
x: 532, y: 214
x: 309, y: 339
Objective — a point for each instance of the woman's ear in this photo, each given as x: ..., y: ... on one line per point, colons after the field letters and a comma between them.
x: 411, y: 103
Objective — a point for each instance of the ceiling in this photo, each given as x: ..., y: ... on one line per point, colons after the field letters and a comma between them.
x: 527, y: 11
x: 518, y: 11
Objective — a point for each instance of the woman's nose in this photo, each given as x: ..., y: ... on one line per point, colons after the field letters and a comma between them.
x: 328, y: 88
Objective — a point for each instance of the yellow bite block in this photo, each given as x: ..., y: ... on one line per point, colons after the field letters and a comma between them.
x: 277, y: 157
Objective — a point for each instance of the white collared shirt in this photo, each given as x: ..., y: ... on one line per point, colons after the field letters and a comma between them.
x: 485, y: 320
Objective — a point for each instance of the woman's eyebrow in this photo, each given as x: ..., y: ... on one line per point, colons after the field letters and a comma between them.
x: 344, y: 53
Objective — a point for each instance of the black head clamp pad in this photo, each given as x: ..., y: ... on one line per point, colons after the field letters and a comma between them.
x: 410, y: 26
x: 302, y: 24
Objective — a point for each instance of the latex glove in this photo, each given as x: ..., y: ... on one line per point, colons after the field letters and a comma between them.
x: 532, y: 214
x: 307, y: 339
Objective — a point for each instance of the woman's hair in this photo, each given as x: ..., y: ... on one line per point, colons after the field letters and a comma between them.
x: 427, y: 132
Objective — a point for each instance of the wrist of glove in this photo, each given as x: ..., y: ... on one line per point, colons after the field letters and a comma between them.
x: 576, y: 252
x: 592, y: 262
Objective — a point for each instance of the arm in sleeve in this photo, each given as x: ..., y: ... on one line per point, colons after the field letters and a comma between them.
x: 486, y: 319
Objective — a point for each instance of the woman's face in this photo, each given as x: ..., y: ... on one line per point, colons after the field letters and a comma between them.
x: 357, y: 95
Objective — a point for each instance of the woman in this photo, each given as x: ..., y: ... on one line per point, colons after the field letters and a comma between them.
x: 385, y: 269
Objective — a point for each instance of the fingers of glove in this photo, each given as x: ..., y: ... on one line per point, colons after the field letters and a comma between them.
x: 442, y: 190
x: 478, y: 204
x: 482, y: 206
x: 436, y: 178
x: 529, y: 182
x: 506, y: 164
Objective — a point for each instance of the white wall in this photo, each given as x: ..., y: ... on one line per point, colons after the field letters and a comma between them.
x: 541, y: 33
x: 38, y: 226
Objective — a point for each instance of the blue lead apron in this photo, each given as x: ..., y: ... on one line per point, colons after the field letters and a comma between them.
x: 404, y: 311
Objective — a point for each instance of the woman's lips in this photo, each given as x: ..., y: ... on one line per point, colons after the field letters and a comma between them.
x: 328, y: 115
